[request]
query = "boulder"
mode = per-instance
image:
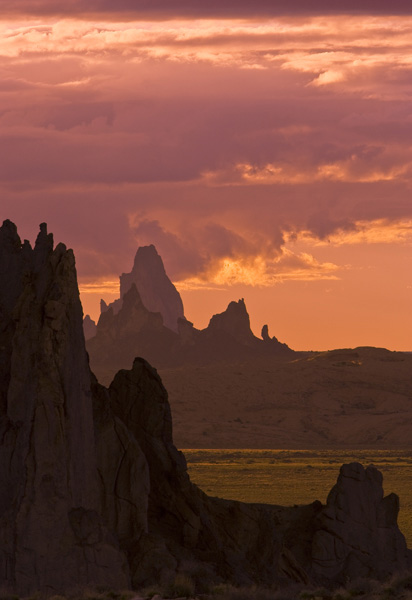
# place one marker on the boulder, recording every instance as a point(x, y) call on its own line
point(357, 533)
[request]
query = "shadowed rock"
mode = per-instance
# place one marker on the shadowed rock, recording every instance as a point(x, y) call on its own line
point(89, 327)
point(134, 330)
point(234, 322)
point(51, 533)
point(358, 534)
point(154, 287)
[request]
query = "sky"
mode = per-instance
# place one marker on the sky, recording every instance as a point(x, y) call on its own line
point(264, 148)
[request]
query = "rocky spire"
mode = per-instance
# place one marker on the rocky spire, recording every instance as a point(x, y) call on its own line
point(50, 530)
point(234, 321)
point(157, 292)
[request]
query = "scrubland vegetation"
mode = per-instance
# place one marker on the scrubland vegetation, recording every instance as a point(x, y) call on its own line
point(183, 586)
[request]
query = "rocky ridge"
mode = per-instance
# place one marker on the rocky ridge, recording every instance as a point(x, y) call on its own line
point(93, 490)
point(132, 330)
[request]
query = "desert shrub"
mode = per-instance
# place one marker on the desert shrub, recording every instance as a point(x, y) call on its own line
point(125, 595)
point(201, 574)
point(151, 591)
point(230, 592)
point(406, 582)
point(362, 587)
point(221, 590)
point(290, 592)
point(251, 593)
point(341, 594)
point(182, 586)
point(318, 594)
point(402, 582)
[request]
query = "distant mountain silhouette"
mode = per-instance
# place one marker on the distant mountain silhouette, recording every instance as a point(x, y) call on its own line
point(148, 320)
point(156, 291)
point(89, 327)
point(135, 331)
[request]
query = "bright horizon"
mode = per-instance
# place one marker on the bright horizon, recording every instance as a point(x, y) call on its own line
point(265, 151)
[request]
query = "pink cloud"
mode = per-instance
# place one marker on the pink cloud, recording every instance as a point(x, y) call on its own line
point(239, 148)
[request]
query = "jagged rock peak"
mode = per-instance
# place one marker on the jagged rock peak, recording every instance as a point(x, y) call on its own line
point(9, 238)
point(148, 256)
point(89, 327)
point(51, 534)
point(234, 321)
point(155, 288)
point(265, 333)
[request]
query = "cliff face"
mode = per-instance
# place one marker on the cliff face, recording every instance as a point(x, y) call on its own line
point(93, 491)
point(51, 533)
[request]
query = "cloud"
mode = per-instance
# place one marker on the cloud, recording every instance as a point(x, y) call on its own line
point(197, 9)
point(221, 142)
point(213, 254)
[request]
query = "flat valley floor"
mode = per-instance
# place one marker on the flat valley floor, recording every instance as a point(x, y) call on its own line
point(288, 477)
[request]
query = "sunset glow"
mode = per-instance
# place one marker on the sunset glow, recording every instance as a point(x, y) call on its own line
point(265, 152)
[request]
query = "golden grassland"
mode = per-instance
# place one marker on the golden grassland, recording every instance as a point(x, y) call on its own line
point(289, 477)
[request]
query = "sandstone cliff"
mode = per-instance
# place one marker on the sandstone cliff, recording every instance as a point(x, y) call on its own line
point(93, 491)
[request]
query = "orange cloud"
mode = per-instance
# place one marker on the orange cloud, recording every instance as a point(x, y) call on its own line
point(380, 231)
point(261, 271)
point(99, 286)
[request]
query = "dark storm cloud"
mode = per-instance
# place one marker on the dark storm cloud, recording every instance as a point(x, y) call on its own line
point(165, 9)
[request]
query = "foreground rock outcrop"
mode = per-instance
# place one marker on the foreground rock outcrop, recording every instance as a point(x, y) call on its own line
point(52, 535)
point(93, 491)
point(357, 535)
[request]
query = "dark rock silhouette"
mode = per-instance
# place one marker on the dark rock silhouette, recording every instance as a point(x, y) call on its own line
point(134, 330)
point(89, 327)
point(92, 489)
point(358, 536)
point(234, 322)
point(265, 333)
point(147, 320)
point(51, 532)
point(155, 289)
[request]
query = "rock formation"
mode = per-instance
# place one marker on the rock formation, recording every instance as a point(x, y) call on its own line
point(147, 320)
point(51, 532)
point(155, 289)
point(134, 330)
point(234, 322)
point(92, 489)
point(357, 535)
point(89, 327)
